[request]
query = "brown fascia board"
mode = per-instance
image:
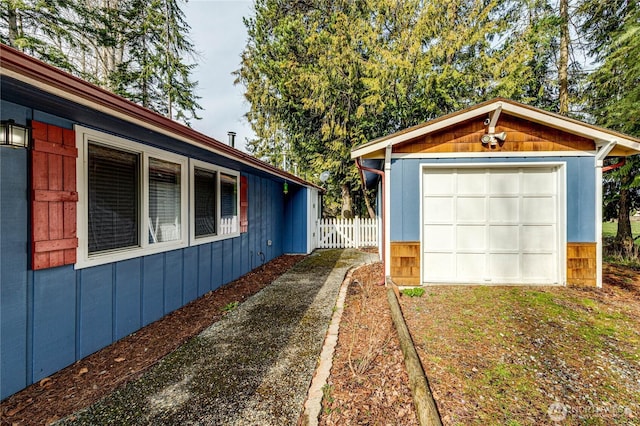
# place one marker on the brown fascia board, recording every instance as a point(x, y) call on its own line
point(49, 77)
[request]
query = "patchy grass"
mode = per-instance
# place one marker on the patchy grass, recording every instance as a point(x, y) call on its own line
point(504, 355)
point(610, 229)
point(413, 292)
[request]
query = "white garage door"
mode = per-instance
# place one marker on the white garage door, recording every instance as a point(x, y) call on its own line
point(490, 225)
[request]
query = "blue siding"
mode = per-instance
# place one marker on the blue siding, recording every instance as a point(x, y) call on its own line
point(216, 265)
point(204, 269)
point(96, 308)
point(54, 320)
point(18, 113)
point(152, 288)
point(580, 193)
point(172, 280)
point(52, 119)
point(581, 200)
point(13, 268)
point(295, 239)
point(227, 265)
point(128, 289)
point(50, 318)
point(190, 274)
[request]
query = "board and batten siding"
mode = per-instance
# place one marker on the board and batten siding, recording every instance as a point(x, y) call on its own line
point(580, 194)
point(49, 318)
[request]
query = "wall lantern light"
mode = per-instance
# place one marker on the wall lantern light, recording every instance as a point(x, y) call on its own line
point(285, 188)
point(15, 135)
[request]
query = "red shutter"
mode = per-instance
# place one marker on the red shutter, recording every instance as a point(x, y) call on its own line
point(53, 197)
point(244, 204)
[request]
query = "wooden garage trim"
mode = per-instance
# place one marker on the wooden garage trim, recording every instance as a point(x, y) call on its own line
point(581, 264)
point(627, 145)
point(521, 136)
point(405, 262)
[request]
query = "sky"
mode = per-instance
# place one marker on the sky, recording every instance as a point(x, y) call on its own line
point(219, 36)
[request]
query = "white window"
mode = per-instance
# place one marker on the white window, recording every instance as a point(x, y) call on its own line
point(214, 203)
point(132, 199)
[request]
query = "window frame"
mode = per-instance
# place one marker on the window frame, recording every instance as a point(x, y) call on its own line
point(85, 136)
point(193, 164)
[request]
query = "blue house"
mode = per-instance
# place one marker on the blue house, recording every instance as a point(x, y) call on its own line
point(112, 216)
point(498, 193)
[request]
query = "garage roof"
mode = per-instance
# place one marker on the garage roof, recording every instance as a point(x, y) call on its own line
point(624, 144)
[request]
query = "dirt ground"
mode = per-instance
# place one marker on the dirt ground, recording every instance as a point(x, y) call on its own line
point(532, 355)
point(368, 382)
point(89, 379)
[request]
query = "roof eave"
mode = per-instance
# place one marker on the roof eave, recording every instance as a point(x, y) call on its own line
point(570, 125)
point(52, 80)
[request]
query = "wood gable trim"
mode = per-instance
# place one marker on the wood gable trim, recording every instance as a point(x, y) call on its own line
point(521, 135)
point(625, 144)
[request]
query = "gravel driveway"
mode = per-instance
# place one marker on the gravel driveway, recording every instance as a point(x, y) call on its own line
point(253, 367)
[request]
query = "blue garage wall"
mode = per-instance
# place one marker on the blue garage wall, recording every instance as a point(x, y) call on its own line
point(50, 318)
point(581, 194)
point(295, 226)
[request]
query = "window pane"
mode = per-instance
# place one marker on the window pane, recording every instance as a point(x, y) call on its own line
point(164, 201)
point(113, 199)
point(228, 204)
point(204, 187)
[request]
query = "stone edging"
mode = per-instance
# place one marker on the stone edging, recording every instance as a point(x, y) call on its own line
point(313, 404)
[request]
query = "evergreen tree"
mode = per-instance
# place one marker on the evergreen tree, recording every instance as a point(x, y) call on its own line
point(135, 48)
point(613, 99)
point(328, 75)
point(39, 29)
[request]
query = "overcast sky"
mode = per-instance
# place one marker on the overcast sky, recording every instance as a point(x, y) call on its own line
point(219, 36)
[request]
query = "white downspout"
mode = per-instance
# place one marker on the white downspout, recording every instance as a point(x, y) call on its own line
point(603, 151)
point(387, 213)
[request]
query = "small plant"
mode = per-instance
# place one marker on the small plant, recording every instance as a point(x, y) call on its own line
point(327, 398)
point(413, 292)
point(230, 306)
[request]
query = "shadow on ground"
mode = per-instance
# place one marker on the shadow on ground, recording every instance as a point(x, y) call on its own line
point(252, 367)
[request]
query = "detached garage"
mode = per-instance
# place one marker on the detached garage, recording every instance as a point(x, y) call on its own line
point(499, 193)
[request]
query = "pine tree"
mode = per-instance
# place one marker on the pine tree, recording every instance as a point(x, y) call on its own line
point(39, 29)
point(613, 99)
point(328, 75)
point(135, 48)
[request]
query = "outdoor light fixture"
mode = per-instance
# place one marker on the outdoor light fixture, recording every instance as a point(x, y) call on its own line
point(12, 134)
point(285, 188)
point(493, 138)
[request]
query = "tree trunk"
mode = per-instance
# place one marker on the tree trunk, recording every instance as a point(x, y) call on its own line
point(12, 17)
point(367, 203)
point(347, 209)
point(624, 238)
point(563, 65)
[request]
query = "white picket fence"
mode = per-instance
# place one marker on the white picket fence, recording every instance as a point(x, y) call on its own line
point(228, 225)
point(347, 233)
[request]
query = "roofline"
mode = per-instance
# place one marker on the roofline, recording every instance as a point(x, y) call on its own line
point(598, 134)
point(26, 69)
